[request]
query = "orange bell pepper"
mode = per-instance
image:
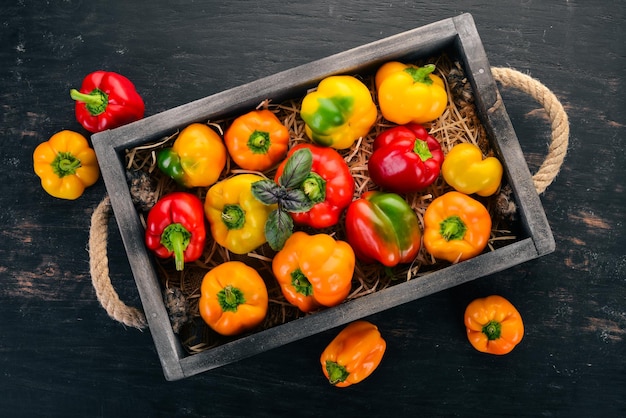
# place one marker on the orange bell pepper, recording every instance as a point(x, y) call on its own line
point(257, 140)
point(493, 325)
point(456, 227)
point(233, 298)
point(408, 93)
point(353, 355)
point(66, 165)
point(314, 271)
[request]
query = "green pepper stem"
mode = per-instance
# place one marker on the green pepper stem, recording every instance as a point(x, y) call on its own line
point(314, 187)
point(452, 228)
point(96, 102)
point(421, 149)
point(230, 298)
point(421, 74)
point(65, 164)
point(336, 372)
point(176, 239)
point(492, 330)
point(233, 216)
point(301, 283)
point(259, 142)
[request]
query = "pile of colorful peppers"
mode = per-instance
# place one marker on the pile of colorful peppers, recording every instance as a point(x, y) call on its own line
point(312, 189)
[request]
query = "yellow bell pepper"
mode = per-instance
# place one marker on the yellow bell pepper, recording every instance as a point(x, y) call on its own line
point(465, 169)
point(236, 217)
point(197, 157)
point(408, 93)
point(339, 112)
point(66, 165)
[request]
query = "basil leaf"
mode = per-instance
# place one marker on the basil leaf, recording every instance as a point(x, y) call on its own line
point(297, 168)
point(266, 191)
point(278, 229)
point(294, 200)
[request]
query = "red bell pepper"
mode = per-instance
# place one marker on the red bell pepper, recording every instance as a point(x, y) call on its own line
point(405, 159)
point(175, 226)
point(329, 186)
point(107, 100)
point(383, 227)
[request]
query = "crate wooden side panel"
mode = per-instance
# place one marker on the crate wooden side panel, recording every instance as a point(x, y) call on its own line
point(457, 36)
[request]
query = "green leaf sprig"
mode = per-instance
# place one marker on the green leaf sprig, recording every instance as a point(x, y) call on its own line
point(287, 195)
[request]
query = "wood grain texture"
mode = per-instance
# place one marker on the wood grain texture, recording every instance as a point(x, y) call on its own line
point(61, 355)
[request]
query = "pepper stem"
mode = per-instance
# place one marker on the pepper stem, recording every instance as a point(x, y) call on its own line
point(301, 283)
point(233, 216)
point(492, 330)
point(314, 187)
point(421, 149)
point(452, 228)
point(230, 298)
point(421, 74)
point(96, 102)
point(259, 142)
point(176, 239)
point(336, 372)
point(65, 164)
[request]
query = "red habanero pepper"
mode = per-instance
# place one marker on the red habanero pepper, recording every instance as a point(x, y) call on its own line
point(329, 186)
point(107, 100)
point(405, 159)
point(175, 226)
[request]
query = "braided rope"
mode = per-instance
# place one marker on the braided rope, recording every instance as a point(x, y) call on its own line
point(98, 235)
point(558, 118)
point(99, 268)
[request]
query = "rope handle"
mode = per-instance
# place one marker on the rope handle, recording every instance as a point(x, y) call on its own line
point(558, 119)
point(133, 317)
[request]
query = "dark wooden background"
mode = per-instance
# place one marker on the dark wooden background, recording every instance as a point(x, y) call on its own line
point(61, 355)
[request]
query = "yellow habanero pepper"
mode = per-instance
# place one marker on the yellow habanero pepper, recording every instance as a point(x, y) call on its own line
point(465, 169)
point(408, 93)
point(236, 217)
point(353, 355)
point(339, 112)
point(66, 165)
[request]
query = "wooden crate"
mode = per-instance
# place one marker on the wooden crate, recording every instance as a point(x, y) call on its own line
point(456, 37)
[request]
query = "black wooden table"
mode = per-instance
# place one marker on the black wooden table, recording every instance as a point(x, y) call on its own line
point(61, 355)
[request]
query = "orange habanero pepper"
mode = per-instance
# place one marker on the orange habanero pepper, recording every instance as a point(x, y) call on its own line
point(493, 325)
point(233, 298)
point(456, 227)
point(353, 355)
point(314, 271)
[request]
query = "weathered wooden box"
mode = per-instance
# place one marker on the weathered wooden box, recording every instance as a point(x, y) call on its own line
point(456, 37)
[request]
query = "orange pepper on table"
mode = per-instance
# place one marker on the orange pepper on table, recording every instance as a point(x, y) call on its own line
point(66, 165)
point(314, 270)
point(493, 325)
point(353, 354)
point(257, 140)
point(456, 227)
point(233, 298)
